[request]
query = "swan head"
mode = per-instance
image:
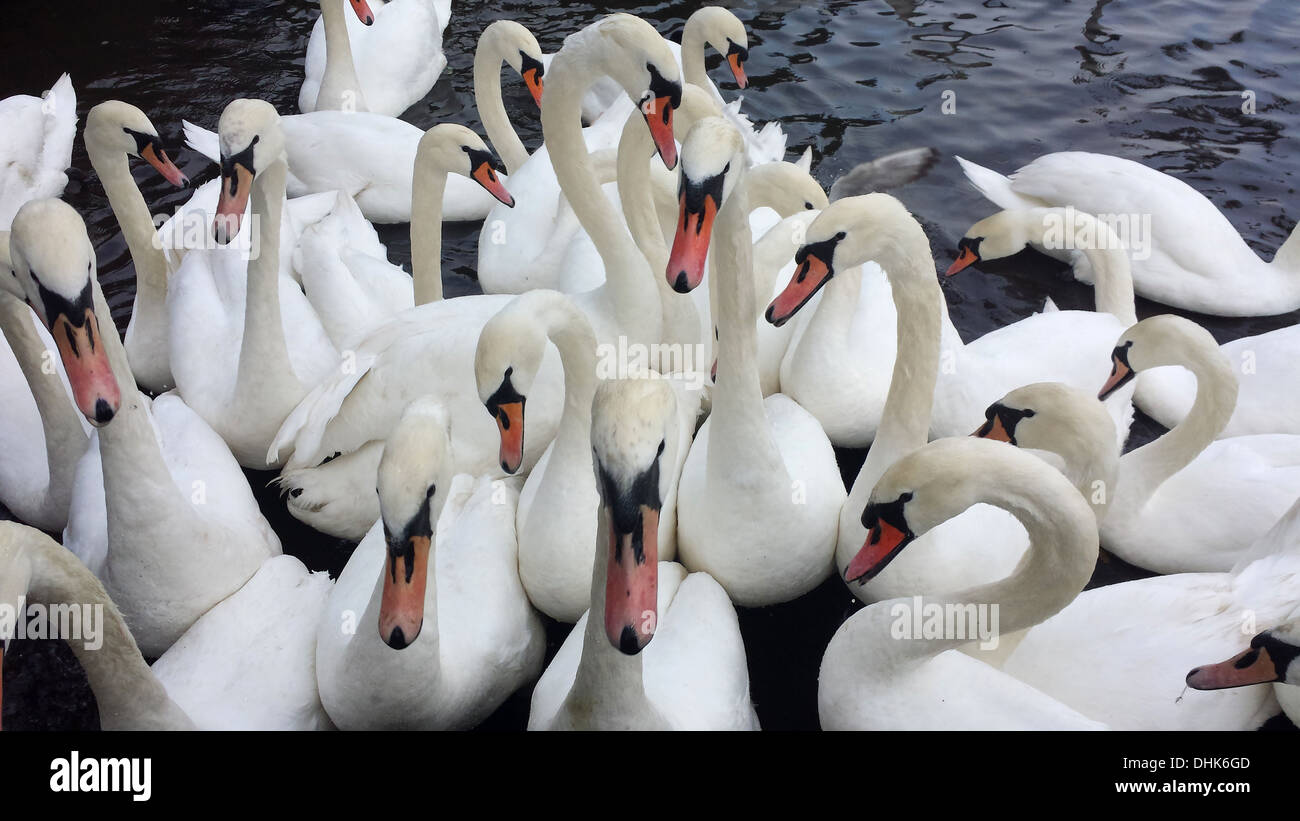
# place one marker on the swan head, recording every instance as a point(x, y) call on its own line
point(55, 266)
point(453, 148)
point(414, 477)
point(251, 141)
point(519, 49)
point(506, 361)
point(1048, 416)
point(847, 233)
point(15, 577)
point(713, 158)
point(1007, 233)
point(631, 422)
point(122, 128)
point(786, 187)
point(723, 30)
point(936, 482)
point(1273, 656)
point(1158, 341)
point(362, 10)
point(631, 52)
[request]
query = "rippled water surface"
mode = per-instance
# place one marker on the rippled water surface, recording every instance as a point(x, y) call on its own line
point(1160, 81)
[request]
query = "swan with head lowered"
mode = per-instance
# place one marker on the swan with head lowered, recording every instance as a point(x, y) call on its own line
point(385, 57)
point(428, 626)
point(1146, 632)
point(877, 674)
point(434, 344)
point(1273, 656)
point(1159, 517)
point(659, 648)
point(43, 435)
point(1196, 261)
point(246, 345)
point(245, 665)
point(170, 524)
point(760, 490)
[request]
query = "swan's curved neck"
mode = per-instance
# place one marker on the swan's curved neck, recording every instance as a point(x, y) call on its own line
point(738, 430)
point(128, 205)
point(633, 298)
point(127, 693)
point(65, 438)
point(264, 366)
point(1113, 283)
point(1061, 556)
point(488, 58)
point(694, 42)
point(571, 332)
point(1142, 471)
point(427, 190)
point(339, 88)
point(905, 419)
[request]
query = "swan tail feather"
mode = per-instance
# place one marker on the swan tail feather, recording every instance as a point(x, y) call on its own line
point(995, 187)
point(199, 139)
point(60, 106)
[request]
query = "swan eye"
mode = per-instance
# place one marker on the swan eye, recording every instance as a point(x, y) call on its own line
point(808, 206)
point(906, 497)
point(429, 493)
point(660, 452)
point(841, 235)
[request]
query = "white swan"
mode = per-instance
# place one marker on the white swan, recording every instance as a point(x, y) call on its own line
point(1159, 517)
point(246, 345)
point(428, 626)
point(1271, 657)
point(353, 292)
point(659, 649)
point(760, 490)
point(43, 435)
point(245, 665)
point(35, 146)
point(878, 674)
point(557, 507)
point(1216, 274)
point(1146, 632)
point(384, 58)
point(433, 344)
point(369, 156)
point(115, 132)
point(1052, 346)
point(183, 529)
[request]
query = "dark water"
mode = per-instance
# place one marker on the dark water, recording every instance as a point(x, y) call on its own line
point(1158, 81)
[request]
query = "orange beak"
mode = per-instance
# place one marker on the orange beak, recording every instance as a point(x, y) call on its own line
point(691, 245)
point(993, 429)
point(811, 275)
point(658, 113)
point(485, 176)
point(401, 605)
point(632, 584)
point(883, 542)
point(510, 424)
point(364, 14)
point(964, 260)
point(737, 69)
point(533, 79)
point(94, 387)
point(1253, 666)
point(1120, 373)
point(235, 190)
point(158, 158)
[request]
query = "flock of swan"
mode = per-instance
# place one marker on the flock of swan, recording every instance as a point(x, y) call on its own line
point(495, 468)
